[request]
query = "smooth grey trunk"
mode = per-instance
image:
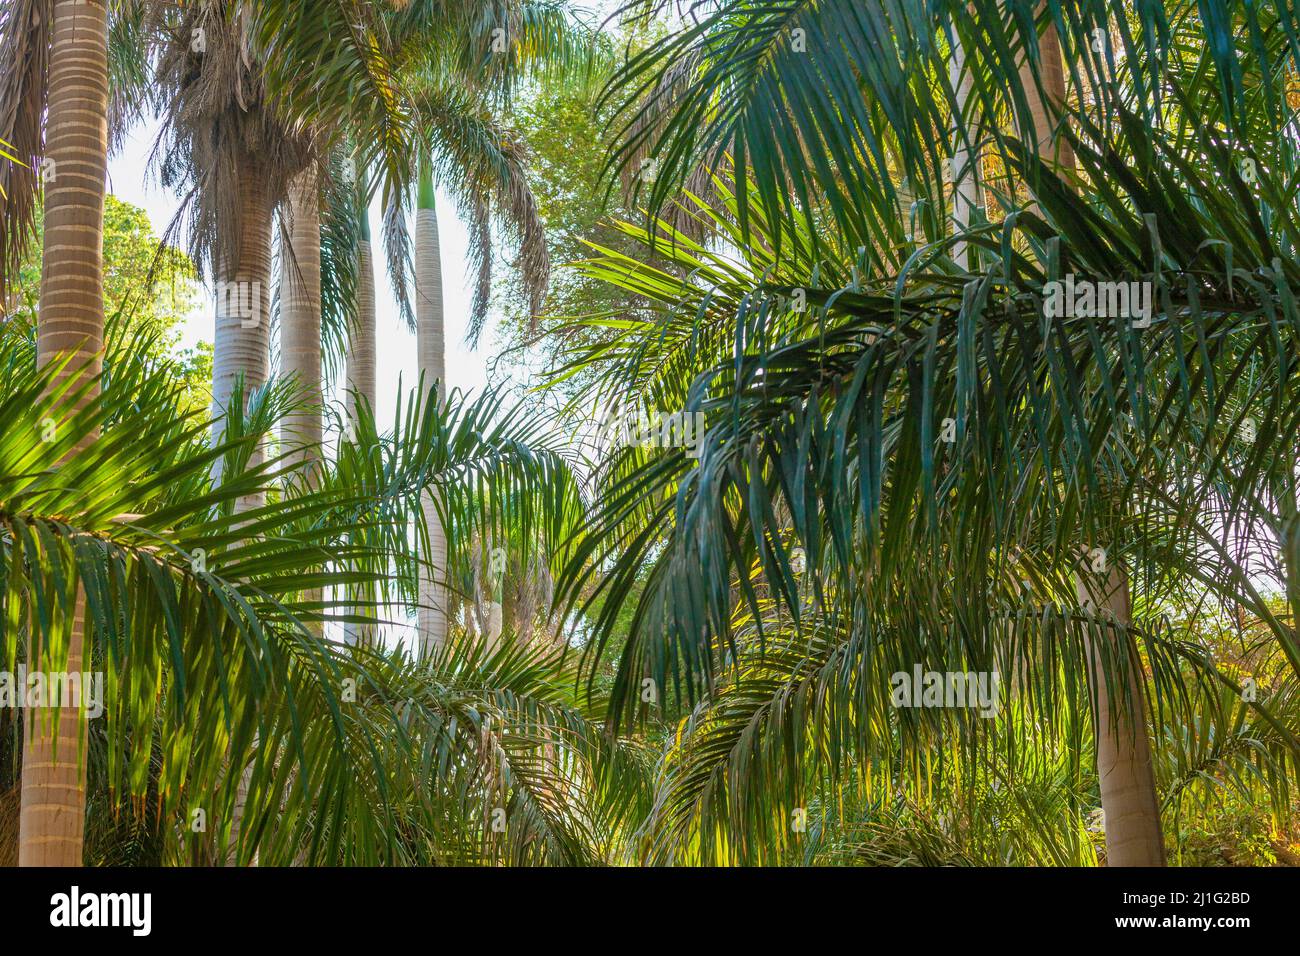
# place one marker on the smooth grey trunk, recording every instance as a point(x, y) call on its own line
point(432, 363)
point(965, 176)
point(361, 343)
point(300, 305)
point(302, 430)
point(241, 343)
point(360, 386)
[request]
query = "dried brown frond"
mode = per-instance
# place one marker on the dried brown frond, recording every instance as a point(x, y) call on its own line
point(639, 171)
point(218, 117)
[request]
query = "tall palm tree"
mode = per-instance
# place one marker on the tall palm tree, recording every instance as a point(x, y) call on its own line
point(466, 149)
point(236, 159)
point(361, 342)
point(1125, 775)
point(431, 349)
point(74, 37)
point(233, 157)
point(453, 74)
point(359, 382)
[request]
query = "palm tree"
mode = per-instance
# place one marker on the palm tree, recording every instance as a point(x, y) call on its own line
point(923, 432)
point(361, 342)
point(70, 337)
point(470, 152)
point(1124, 770)
point(452, 74)
point(431, 348)
point(234, 157)
point(483, 165)
point(359, 382)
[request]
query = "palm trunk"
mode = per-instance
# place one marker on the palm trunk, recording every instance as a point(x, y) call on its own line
point(300, 319)
point(361, 376)
point(1125, 776)
point(1124, 771)
point(965, 178)
point(431, 350)
point(1045, 110)
point(241, 345)
point(361, 344)
point(52, 814)
point(302, 431)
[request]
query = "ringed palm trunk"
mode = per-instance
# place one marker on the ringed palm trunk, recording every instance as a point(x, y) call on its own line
point(51, 821)
point(1045, 108)
point(1125, 775)
point(430, 332)
point(361, 373)
point(241, 344)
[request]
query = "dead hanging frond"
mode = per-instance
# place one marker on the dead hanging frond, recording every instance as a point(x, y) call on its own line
point(488, 50)
point(637, 165)
point(480, 261)
point(533, 592)
point(219, 127)
point(398, 257)
point(24, 78)
point(130, 78)
point(516, 206)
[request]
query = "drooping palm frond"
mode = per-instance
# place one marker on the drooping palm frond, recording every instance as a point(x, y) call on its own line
point(506, 44)
point(945, 460)
point(129, 75)
point(333, 63)
point(977, 350)
point(342, 210)
point(495, 762)
point(175, 604)
point(459, 68)
point(223, 685)
point(848, 111)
